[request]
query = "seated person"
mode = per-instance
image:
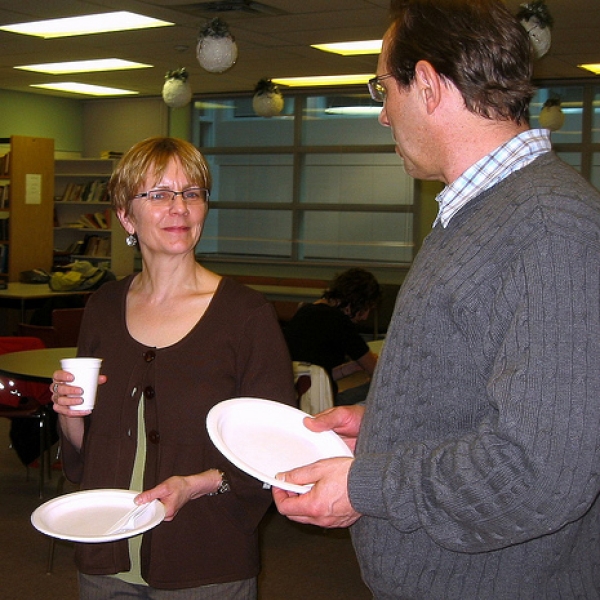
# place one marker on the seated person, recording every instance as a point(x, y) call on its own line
point(324, 333)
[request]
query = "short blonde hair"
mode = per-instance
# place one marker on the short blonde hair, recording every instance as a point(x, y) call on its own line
point(153, 155)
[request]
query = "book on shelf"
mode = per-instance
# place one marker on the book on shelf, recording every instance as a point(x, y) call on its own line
point(110, 154)
point(72, 191)
point(103, 247)
point(75, 247)
point(88, 221)
point(101, 192)
point(101, 220)
point(5, 165)
point(95, 245)
point(89, 244)
point(4, 195)
point(4, 227)
point(96, 220)
point(3, 258)
point(73, 224)
point(92, 191)
point(95, 191)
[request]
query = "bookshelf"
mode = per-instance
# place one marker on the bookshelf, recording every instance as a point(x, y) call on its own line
point(26, 180)
point(84, 226)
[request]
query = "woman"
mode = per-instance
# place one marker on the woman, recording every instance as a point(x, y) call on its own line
point(175, 339)
point(324, 333)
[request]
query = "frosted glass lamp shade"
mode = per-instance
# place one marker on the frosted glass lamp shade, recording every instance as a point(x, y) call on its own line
point(268, 104)
point(216, 54)
point(176, 93)
point(552, 117)
point(539, 37)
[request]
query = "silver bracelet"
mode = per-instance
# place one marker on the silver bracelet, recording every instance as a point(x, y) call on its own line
point(224, 486)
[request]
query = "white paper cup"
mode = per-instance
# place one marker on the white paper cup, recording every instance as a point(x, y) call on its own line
point(86, 372)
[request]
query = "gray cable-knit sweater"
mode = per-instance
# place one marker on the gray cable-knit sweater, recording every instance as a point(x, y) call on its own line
point(478, 461)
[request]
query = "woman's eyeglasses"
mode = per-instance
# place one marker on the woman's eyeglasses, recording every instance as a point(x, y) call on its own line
point(194, 195)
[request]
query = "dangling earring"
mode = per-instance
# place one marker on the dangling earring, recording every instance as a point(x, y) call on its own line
point(131, 240)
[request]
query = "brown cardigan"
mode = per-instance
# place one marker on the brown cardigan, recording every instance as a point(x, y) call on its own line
point(236, 349)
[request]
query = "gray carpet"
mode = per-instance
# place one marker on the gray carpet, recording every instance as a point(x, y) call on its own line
point(299, 562)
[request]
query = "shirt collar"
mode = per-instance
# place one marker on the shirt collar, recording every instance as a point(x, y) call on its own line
point(514, 154)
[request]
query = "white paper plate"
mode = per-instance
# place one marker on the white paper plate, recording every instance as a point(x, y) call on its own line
point(263, 438)
point(87, 516)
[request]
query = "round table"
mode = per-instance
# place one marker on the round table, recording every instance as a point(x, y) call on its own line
point(34, 365)
point(37, 365)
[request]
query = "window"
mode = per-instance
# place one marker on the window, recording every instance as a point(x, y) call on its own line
point(577, 142)
point(320, 183)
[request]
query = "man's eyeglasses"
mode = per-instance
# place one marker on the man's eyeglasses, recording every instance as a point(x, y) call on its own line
point(194, 195)
point(377, 91)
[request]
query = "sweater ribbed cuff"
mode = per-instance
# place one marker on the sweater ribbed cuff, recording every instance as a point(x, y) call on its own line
point(365, 484)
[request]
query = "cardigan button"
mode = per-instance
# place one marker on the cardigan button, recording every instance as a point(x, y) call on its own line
point(154, 437)
point(149, 392)
point(149, 356)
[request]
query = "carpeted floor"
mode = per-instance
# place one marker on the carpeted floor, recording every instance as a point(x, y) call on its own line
point(299, 562)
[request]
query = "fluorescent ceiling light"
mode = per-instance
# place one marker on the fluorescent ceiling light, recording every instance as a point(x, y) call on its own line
point(324, 80)
point(84, 88)
point(85, 25)
point(357, 111)
point(593, 67)
point(351, 48)
point(204, 105)
point(84, 66)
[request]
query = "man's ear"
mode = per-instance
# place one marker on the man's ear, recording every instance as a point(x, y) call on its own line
point(429, 84)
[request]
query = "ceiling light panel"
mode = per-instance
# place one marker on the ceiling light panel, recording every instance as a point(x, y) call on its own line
point(86, 25)
point(84, 66)
point(593, 67)
point(351, 48)
point(73, 87)
point(323, 80)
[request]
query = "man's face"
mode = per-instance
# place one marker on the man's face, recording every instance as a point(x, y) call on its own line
point(404, 113)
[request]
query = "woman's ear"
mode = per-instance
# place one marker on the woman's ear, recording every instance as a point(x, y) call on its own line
point(125, 220)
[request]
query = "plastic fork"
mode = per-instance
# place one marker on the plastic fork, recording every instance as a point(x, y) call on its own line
point(127, 522)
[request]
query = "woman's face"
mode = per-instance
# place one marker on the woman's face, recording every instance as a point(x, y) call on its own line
point(173, 228)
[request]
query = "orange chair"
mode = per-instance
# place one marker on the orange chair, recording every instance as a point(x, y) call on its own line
point(27, 400)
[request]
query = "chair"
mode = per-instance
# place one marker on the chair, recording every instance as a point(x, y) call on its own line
point(46, 333)
point(64, 331)
point(316, 394)
point(27, 400)
point(66, 323)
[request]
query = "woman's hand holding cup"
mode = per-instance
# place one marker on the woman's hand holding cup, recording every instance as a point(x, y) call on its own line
point(74, 386)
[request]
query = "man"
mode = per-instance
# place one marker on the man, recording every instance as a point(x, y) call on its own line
point(477, 466)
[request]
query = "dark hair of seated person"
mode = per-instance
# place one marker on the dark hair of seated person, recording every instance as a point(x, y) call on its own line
point(355, 289)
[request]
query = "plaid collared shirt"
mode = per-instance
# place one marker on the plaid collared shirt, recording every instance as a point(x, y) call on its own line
point(511, 156)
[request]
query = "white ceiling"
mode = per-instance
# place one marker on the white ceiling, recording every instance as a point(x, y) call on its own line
point(270, 45)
